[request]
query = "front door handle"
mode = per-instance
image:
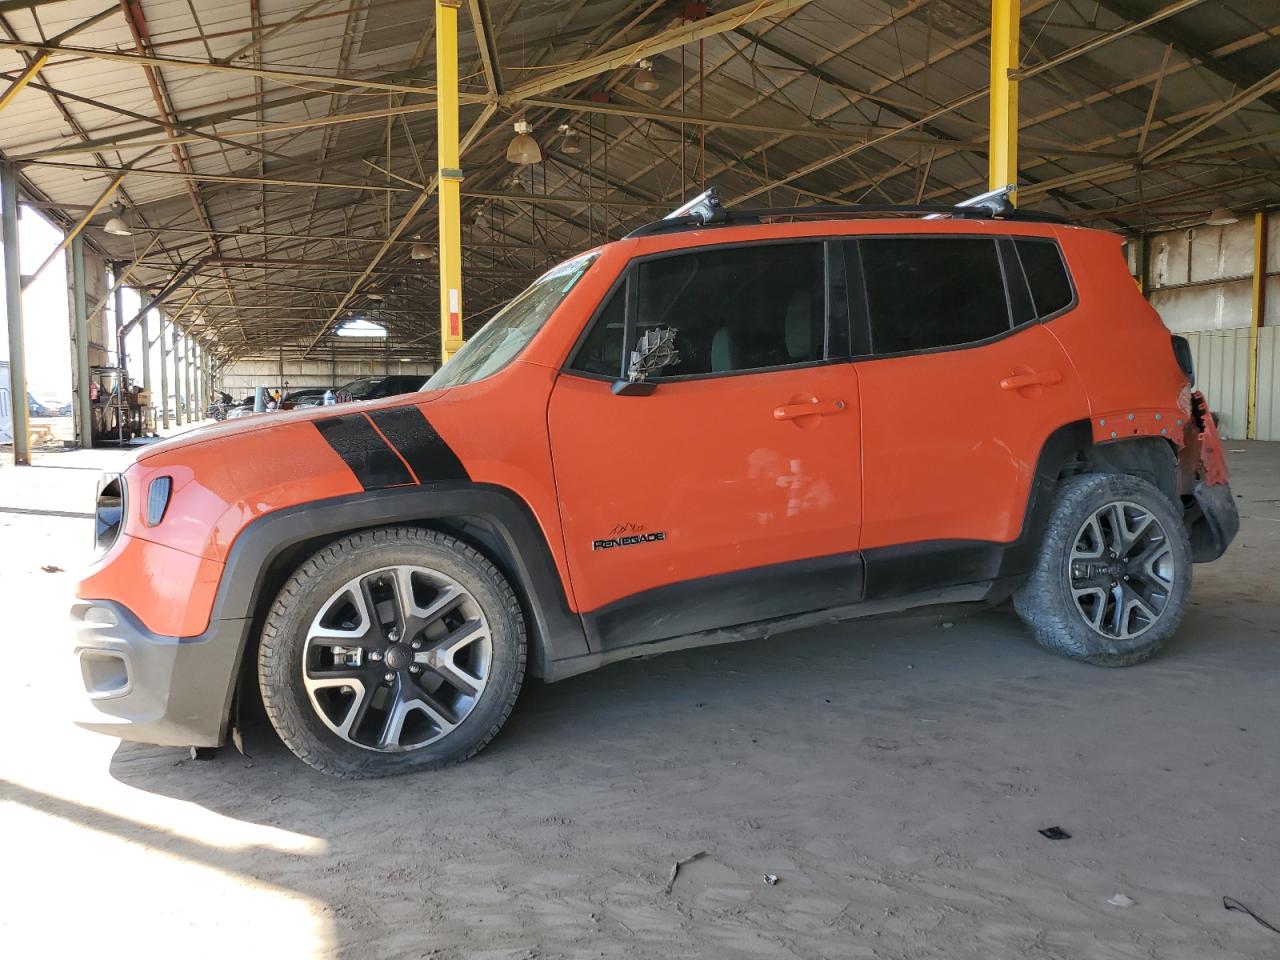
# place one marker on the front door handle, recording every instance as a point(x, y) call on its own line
point(815, 407)
point(1021, 381)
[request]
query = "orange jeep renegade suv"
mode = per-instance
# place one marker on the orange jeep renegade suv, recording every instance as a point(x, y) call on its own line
point(722, 426)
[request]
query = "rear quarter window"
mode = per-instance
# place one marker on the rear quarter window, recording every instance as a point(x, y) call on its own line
point(1046, 275)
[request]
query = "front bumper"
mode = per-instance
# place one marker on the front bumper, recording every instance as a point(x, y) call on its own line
point(172, 691)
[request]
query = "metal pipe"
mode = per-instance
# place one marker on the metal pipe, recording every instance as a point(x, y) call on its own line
point(164, 376)
point(81, 403)
point(449, 177)
point(1257, 304)
point(182, 277)
point(13, 305)
point(1002, 158)
point(122, 364)
point(27, 75)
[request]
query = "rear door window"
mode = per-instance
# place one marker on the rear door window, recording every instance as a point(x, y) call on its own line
point(925, 293)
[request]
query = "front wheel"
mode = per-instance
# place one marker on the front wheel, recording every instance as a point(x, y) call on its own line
point(389, 651)
point(1113, 574)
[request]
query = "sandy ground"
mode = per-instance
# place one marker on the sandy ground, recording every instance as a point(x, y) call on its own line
point(893, 775)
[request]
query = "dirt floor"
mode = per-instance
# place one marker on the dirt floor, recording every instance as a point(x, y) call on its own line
point(892, 774)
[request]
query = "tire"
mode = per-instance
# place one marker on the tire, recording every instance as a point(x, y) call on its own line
point(361, 682)
point(1080, 599)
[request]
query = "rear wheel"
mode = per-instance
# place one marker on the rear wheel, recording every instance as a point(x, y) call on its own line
point(1114, 570)
point(391, 650)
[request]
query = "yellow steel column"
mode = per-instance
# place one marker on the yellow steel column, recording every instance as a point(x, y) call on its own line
point(1003, 156)
point(1255, 320)
point(450, 185)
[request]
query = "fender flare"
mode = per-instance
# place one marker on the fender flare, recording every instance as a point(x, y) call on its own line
point(253, 568)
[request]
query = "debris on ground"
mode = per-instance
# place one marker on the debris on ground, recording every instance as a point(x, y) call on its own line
point(50, 568)
point(1055, 833)
point(770, 879)
point(1120, 900)
point(675, 868)
point(1231, 903)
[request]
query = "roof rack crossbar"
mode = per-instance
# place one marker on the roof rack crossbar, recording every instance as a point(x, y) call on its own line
point(706, 210)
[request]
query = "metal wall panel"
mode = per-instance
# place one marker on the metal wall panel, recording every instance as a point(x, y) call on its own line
point(1222, 365)
point(240, 378)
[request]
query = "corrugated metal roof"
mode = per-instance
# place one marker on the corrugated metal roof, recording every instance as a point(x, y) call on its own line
point(839, 100)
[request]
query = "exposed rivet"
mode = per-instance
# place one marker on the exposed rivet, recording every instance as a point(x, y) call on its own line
point(417, 644)
point(375, 655)
point(414, 668)
point(389, 677)
point(1102, 423)
point(1131, 416)
point(1179, 423)
point(1159, 417)
point(1164, 430)
point(1113, 434)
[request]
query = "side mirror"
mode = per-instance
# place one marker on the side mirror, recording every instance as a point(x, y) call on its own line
point(656, 349)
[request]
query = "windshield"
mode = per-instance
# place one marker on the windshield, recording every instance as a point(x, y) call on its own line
point(502, 338)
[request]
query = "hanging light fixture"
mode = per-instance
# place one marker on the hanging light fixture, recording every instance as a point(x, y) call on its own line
point(572, 143)
point(646, 80)
point(419, 250)
point(523, 149)
point(1221, 217)
point(116, 224)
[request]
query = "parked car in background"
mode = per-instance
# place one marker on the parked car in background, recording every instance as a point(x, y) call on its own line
point(375, 388)
point(306, 397)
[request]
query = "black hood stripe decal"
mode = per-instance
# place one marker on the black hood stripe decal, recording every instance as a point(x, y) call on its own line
point(360, 446)
point(411, 433)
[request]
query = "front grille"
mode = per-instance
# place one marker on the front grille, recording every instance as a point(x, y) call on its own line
point(108, 512)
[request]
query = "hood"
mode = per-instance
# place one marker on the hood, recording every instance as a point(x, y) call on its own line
point(274, 419)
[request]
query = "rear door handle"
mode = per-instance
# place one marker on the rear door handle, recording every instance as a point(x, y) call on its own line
point(1023, 380)
point(815, 407)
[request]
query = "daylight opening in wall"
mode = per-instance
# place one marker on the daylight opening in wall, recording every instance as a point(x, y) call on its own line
point(361, 328)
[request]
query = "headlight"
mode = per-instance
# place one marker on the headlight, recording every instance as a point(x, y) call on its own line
point(108, 513)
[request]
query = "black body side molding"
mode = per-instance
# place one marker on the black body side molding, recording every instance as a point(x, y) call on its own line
point(726, 600)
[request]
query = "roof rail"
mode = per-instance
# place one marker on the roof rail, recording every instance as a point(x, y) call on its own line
point(706, 210)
